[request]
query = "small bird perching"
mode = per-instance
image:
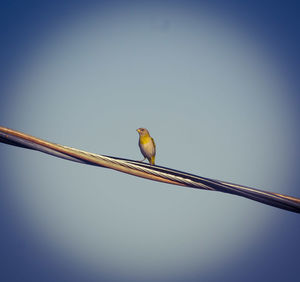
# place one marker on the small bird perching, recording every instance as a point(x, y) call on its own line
point(152, 172)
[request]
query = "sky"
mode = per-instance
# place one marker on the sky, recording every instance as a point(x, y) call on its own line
point(217, 87)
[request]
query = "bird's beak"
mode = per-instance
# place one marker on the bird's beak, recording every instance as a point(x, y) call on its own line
point(138, 130)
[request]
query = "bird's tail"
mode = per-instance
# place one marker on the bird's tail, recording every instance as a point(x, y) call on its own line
point(152, 160)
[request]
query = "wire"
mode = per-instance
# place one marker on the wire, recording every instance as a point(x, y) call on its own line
point(140, 169)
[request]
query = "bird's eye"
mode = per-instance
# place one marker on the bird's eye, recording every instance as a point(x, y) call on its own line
point(142, 129)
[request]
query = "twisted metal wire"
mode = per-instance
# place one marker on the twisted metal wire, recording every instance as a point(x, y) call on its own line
point(156, 173)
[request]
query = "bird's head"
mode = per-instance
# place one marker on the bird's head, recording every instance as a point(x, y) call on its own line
point(142, 131)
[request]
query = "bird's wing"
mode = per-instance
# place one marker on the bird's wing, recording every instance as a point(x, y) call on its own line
point(153, 144)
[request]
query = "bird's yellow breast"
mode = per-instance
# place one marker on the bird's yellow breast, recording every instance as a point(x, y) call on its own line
point(145, 139)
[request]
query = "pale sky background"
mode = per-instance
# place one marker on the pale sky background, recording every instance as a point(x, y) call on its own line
point(216, 94)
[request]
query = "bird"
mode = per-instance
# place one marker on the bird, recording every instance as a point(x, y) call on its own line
point(147, 145)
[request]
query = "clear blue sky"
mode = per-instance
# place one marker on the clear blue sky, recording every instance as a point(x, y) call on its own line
point(216, 85)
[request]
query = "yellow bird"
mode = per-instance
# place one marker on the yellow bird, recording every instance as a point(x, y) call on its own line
point(147, 145)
